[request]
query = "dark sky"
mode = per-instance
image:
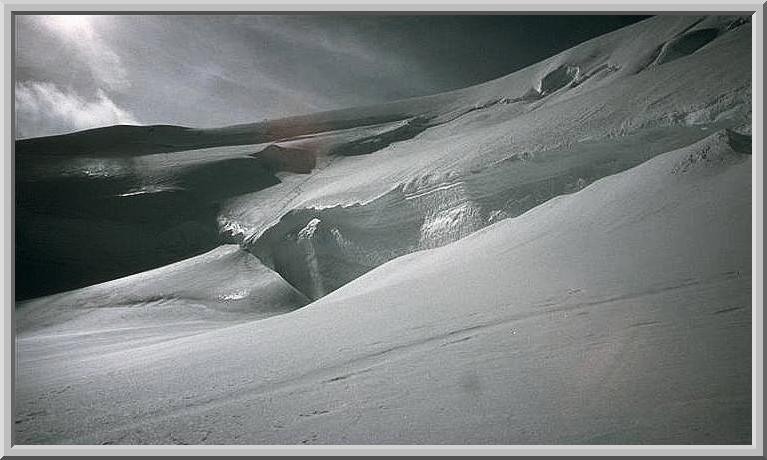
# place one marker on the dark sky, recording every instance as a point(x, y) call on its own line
point(78, 72)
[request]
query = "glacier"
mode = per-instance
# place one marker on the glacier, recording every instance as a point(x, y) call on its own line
point(558, 256)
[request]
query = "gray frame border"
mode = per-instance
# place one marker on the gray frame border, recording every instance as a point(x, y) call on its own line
point(10, 8)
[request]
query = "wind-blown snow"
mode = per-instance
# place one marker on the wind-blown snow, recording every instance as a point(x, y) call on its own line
point(561, 255)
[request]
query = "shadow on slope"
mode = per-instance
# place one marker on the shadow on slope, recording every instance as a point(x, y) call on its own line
point(686, 44)
point(278, 158)
point(371, 144)
point(126, 140)
point(73, 231)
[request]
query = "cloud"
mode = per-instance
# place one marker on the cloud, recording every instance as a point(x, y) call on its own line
point(206, 71)
point(350, 43)
point(81, 34)
point(302, 31)
point(44, 109)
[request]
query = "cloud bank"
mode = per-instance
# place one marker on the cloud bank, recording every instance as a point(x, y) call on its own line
point(45, 109)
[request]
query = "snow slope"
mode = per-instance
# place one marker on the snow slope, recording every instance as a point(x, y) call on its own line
point(618, 314)
point(561, 255)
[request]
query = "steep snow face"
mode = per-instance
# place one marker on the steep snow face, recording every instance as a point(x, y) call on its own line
point(616, 314)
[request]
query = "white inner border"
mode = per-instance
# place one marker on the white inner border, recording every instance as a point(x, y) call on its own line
point(551, 6)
